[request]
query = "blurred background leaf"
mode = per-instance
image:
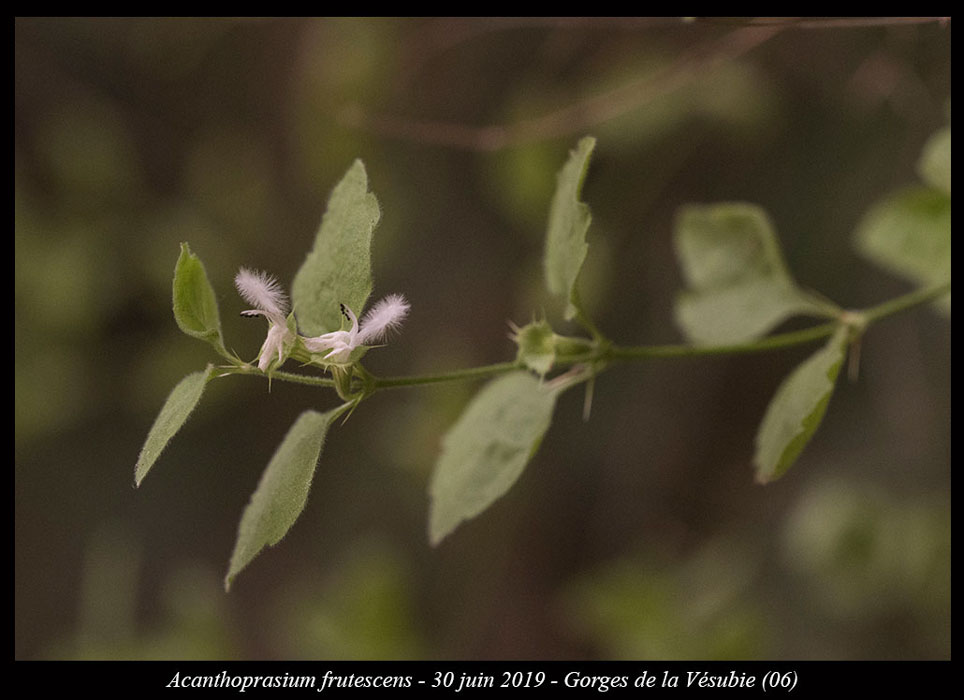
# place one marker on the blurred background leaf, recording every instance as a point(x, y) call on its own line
point(132, 135)
point(693, 607)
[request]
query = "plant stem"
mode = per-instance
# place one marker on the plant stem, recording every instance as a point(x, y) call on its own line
point(773, 342)
point(307, 379)
point(622, 353)
point(907, 301)
point(606, 352)
point(455, 375)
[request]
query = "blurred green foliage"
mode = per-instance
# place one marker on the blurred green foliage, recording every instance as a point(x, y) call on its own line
point(697, 607)
point(132, 135)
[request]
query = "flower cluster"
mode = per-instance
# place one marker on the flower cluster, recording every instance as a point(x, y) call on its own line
point(264, 293)
point(384, 317)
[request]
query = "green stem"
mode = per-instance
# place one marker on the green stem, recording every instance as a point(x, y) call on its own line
point(455, 375)
point(307, 379)
point(773, 342)
point(908, 301)
point(605, 352)
point(622, 353)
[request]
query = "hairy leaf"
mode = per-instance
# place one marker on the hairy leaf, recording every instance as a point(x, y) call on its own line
point(195, 305)
point(739, 286)
point(909, 234)
point(795, 411)
point(484, 453)
point(568, 222)
point(283, 490)
point(178, 407)
point(338, 269)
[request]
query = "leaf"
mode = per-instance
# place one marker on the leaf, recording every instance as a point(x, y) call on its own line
point(568, 222)
point(195, 305)
point(283, 490)
point(909, 234)
point(179, 405)
point(484, 453)
point(795, 411)
point(934, 165)
point(739, 286)
point(338, 269)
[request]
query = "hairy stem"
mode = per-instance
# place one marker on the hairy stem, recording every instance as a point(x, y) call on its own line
point(307, 379)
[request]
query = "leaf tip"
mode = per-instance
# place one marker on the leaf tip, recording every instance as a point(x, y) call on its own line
point(437, 533)
point(586, 143)
point(357, 170)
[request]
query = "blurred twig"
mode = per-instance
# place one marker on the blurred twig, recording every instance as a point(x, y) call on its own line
point(439, 35)
point(821, 22)
point(573, 118)
point(591, 111)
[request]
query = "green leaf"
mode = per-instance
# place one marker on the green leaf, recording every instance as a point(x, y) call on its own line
point(195, 305)
point(484, 453)
point(934, 165)
point(795, 411)
point(739, 286)
point(173, 415)
point(283, 490)
point(568, 222)
point(537, 346)
point(338, 269)
point(909, 234)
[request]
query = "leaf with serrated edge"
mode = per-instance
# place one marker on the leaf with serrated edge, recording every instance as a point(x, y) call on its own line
point(738, 284)
point(178, 407)
point(283, 490)
point(195, 304)
point(568, 222)
point(338, 269)
point(795, 411)
point(486, 450)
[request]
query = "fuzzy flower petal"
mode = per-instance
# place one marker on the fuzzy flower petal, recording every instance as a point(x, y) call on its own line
point(262, 291)
point(386, 316)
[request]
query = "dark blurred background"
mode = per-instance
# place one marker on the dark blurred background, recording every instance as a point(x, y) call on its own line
point(638, 534)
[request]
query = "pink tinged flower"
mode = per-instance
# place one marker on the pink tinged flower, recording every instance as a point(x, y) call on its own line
point(383, 318)
point(262, 291)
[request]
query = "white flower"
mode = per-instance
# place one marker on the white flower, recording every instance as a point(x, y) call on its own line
point(384, 317)
point(262, 291)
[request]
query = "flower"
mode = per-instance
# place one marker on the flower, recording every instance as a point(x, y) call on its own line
point(262, 291)
point(387, 315)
